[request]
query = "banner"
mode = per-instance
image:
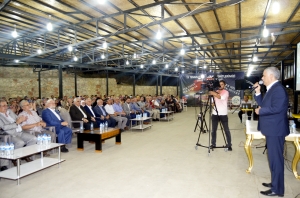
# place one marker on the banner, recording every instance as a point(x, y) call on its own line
point(192, 86)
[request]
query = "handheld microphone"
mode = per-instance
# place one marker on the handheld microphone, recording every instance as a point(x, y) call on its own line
point(253, 88)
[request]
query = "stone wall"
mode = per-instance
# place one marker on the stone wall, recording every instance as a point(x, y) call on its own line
point(24, 82)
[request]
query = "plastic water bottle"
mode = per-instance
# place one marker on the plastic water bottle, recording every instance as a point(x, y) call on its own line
point(101, 128)
point(106, 126)
point(293, 128)
point(12, 148)
point(92, 126)
point(2, 148)
point(45, 139)
point(48, 139)
point(7, 152)
point(81, 128)
point(39, 139)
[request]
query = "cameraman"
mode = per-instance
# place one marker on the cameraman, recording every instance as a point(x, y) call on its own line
point(220, 112)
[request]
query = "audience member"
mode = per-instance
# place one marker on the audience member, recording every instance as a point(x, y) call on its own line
point(52, 118)
point(121, 120)
point(102, 115)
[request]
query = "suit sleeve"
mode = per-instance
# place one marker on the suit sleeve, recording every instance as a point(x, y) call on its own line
point(258, 99)
point(278, 103)
point(47, 118)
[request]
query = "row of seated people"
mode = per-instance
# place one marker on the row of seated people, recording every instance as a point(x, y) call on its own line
point(24, 127)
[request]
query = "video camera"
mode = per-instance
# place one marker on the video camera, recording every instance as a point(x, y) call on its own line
point(211, 83)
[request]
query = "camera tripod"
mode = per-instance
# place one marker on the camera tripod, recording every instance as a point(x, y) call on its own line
point(201, 118)
point(210, 102)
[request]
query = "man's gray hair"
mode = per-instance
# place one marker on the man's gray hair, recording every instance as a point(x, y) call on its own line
point(75, 99)
point(22, 103)
point(274, 71)
point(2, 100)
point(48, 101)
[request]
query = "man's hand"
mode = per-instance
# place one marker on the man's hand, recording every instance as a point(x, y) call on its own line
point(257, 110)
point(64, 123)
point(102, 117)
point(85, 120)
point(257, 89)
point(21, 119)
point(93, 119)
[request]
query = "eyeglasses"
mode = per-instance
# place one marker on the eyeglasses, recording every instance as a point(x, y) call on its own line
point(3, 105)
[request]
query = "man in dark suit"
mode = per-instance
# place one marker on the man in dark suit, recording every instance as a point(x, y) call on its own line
point(89, 109)
point(52, 118)
point(273, 123)
point(100, 112)
point(78, 113)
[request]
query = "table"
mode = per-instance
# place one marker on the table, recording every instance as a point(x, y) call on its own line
point(97, 137)
point(296, 115)
point(140, 123)
point(168, 115)
point(253, 133)
point(28, 168)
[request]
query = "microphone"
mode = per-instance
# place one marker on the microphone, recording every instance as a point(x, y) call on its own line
point(253, 88)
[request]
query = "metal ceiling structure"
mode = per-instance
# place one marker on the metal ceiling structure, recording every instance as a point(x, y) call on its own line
point(221, 35)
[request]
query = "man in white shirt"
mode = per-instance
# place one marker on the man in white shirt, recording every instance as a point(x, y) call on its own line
point(242, 106)
point(110, 110)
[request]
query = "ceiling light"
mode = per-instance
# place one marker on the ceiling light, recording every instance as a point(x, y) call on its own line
point(276, 7)
point(16, 60)
point(134, 55)
point(70, 48)
point(254, 59)
point(75, 58)
point(182, 71)
point(39, 51)
point(102, 56)
point(142, 66)
point(196, 61)
point(154, 62)
point(204, 66)
point(158, 35)
point(14, 33)
point(127, 62)
point(182, 51)
point(167, 65)
point(202, 76)
point(265, 32)
point(49, 24)
point(104, 45)
point(176, 69)
point(101, 1)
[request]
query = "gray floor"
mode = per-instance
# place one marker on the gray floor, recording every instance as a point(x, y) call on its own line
point(158, 163)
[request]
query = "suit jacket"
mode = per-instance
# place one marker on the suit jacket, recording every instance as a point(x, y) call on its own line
point(273, 119)
point(76, 114)
point(51, 120)
point(6, 126)
point(98, 111)
point(126, 109)
point(87, 109)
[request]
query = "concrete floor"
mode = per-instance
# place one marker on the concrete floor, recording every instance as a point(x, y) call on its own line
point(160, 162)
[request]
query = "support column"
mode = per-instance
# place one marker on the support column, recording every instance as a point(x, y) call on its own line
point(177, 91)
point(160, 84)
point(106, 83)
point(282, 71)
point(75, 83)
point(156, 85)
point(295, 83)
point(39, 84)
point(60, 82)
point(133, 91)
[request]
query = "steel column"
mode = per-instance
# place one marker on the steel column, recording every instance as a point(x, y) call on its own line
point(60, 82)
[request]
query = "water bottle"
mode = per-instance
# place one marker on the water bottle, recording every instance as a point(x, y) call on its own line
point(293, 128)
point(39, 139)
point(101, 128)
point(92, 126)
point(7, 152)
point(291, 123)
point(2, 148)
point(12, 148)
point(81, 128)
point(106, 126)
point(45, 139)
point(48, 139)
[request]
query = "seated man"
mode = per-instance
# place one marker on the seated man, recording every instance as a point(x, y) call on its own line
point(52, 118)
point(10, 124)
point(102, 115)
point(127, 108)
point(78, 113)
point(121, 120)
point(34, 124)
point(241, 112)
point(149, 105)
point(137, 108)
point(120, 111)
